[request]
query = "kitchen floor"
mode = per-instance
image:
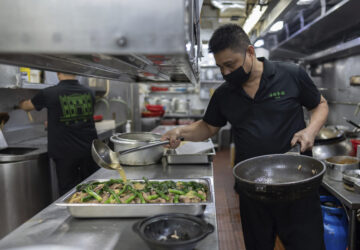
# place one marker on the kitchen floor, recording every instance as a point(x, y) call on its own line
point(227, 205)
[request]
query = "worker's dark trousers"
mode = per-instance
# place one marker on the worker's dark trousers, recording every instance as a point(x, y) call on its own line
point(71, 172)
point(298, 223)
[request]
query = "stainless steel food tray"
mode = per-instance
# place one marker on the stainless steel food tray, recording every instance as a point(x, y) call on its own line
point(201, 158)
point(87, 210)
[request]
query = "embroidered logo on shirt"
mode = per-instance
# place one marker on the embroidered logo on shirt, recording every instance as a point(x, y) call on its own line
point(75, 108)
point(277, 94)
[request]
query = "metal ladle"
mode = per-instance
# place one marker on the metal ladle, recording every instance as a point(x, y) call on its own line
point(106, 158)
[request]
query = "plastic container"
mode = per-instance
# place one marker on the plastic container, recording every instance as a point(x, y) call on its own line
point(128, 126)
point(355, 143)
point(335, 223)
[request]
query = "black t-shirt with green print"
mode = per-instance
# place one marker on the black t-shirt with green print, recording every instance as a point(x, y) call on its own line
point(70, 109)
point(267, 123)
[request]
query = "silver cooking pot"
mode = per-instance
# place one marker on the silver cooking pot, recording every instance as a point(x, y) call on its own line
point(338, 164)
point(279, 177)
point(331, 142)
point(348, 132)
point(131, 140)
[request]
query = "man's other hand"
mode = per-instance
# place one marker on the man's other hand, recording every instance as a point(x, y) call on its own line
point(305, 137)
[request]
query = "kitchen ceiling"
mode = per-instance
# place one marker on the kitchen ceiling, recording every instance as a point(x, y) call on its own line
point(215, 13)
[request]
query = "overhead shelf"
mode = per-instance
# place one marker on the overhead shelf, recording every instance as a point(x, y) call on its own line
point(336, 23)
point(128, 40)
point(212, 81)
point(338, 51)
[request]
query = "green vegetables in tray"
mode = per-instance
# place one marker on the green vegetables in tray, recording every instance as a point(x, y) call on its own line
point(115, 191)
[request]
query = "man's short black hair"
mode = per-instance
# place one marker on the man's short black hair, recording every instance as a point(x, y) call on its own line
point(230, 36)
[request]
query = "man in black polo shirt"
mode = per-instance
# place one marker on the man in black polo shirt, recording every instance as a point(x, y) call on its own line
point(263, 101)
point(71, 128)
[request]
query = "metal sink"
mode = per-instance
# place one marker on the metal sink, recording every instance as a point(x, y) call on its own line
point(16, 151)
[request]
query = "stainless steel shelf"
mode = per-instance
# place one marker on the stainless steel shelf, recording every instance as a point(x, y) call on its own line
point(339, 51)
point(35, 85)
point(26, 86)
point(212, 81)
point(339, 19)
point(171, 92)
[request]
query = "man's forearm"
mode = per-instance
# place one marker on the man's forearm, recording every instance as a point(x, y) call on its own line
point(198, 131)
point(318, 117)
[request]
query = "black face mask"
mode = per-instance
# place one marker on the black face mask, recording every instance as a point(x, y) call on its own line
point(238, 76)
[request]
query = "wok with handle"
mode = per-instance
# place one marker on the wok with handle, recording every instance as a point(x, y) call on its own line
point(279, 176)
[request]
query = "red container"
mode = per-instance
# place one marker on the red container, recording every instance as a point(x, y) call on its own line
point(355, 143)
point(152, 113)
point(98, 118)
point(154, 108)
point(154, 88)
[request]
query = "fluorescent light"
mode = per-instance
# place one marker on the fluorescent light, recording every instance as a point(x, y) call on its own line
point(279, 25)
point(253, 18)
point(223, 5)
point(304, 2)
point(259, 43)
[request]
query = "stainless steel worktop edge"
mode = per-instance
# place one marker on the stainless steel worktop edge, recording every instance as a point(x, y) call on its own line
point(55, 226)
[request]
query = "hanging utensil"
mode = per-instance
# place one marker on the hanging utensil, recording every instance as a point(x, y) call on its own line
point(29, 116)
point(352, 123)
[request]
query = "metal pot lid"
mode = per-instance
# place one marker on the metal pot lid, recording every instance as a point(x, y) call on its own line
point(328, 133)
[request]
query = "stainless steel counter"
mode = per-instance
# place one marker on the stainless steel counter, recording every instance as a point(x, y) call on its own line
point(349, 199)
point(336, 188)
point(55, 226)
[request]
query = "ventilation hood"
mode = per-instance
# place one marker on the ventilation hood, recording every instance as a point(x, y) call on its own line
point(128, 40)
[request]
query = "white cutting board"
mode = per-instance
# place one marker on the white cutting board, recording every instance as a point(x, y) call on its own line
point(105, 125)
point(188, 147)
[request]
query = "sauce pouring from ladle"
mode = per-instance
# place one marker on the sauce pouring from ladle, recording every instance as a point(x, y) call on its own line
point(106, 158)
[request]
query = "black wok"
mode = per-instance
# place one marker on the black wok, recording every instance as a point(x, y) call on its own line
point(279, 176)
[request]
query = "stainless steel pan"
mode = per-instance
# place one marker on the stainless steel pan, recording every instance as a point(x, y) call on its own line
point(279, 176)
